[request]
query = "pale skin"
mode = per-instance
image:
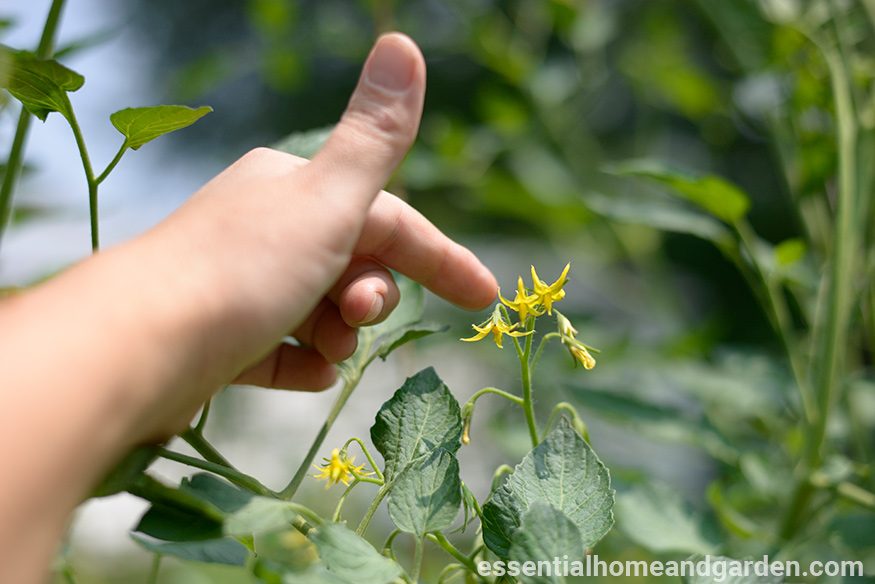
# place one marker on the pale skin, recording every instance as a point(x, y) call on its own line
point(123, 348)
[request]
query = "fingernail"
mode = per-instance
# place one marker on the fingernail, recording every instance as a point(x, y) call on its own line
point(375, 310)
point(391, 64)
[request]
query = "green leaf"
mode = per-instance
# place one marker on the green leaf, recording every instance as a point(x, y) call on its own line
point(725, 570)
point(563, 471)
point(656, 517)
point(407, 334)
point(258, 515)
point(420, 418)
point(143, 124)
point(176, 514)
point(195, 511)
point(179, 523)
point(712, 193)
point(304, 144)
point(402, 326)
point(41, 85)
point(546, 533)
point(427, 495)
point(352, 557)
point(665, 215)
point(126, 472)
point(225, 496)
point(215, 551)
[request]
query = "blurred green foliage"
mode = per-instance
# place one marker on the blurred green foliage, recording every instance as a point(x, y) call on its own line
point(705, 267)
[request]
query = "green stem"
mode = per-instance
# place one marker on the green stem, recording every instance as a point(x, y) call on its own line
point(388, 545)
point(349, 385)
point(196, 440)
point(776, 310)
point(16, 155)
point(368, 455)
point(156, 567)
point(417, 561)
point(335, 517)
point(576, 422)
point(369, 514)
point(89, 177)
point(494, 390)
point(541, 346)
point(528, 406)
point(440, 539)
point(238, 478)
point(500, 472)
point(202, 421)
point(112, 164)
point(448, 569)
point(839, 303)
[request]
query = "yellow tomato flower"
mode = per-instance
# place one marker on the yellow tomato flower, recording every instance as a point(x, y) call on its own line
point(578, 350)
point(547, 295)
point(497, 326)
point(523, 303)
point(339, 469)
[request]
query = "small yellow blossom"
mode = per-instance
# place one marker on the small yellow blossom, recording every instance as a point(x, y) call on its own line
point(578, 350)
point(523, 303)
point(547, 295)
point(498, 327)
point(339, 469)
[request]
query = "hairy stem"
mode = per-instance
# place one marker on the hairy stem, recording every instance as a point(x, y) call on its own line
point(350, 383)
point(235, 476)
point(417, 561)
point(369, 514)
point(440, 539)
point(197, 441)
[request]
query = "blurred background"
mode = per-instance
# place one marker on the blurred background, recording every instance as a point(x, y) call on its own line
point(531, 104)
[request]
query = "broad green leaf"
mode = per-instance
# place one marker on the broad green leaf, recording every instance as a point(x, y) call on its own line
point(421, 417)
point(126, 472)
point(214, 551)
point(712, 193)
point(304, 144)
point(41, 85)
point(176, 514)
point(260, 514)
point(143, 124)
point(657, 518)
point(352, 557)
point(427, 494)
point(723, 570)
point(562, 471)
point(225, 496)
point(174, 523)
point(546, 533)
point(667, 215)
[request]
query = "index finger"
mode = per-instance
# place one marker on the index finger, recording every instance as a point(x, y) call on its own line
point(399, 237)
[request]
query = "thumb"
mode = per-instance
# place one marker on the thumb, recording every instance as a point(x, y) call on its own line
point(378, 127)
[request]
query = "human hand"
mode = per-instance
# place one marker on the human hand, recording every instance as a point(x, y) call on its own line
point(277, 245)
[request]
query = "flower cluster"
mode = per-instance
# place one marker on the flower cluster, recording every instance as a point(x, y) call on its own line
point(530, 303)
point(339, 469)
